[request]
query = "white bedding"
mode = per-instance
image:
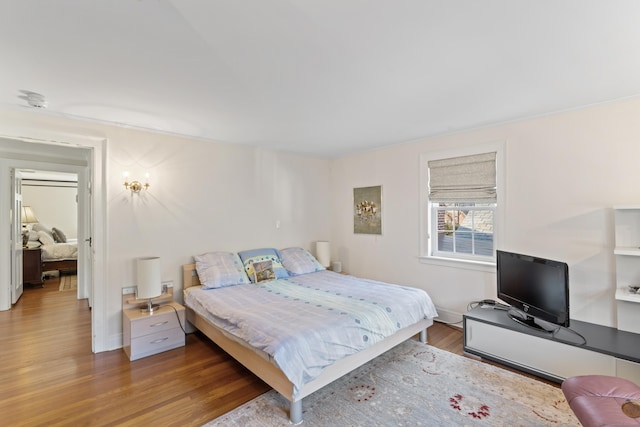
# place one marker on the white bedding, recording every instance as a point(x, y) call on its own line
point(60, 251)
point(305, 323)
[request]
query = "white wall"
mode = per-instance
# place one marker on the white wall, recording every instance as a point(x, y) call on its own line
point(564, 172)
point(204, 196)
point(54, 206)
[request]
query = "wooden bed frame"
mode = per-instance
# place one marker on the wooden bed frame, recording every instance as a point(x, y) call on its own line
point(258, 362)
point(60, 265)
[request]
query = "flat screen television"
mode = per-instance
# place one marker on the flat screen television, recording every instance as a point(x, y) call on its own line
point(537, 288)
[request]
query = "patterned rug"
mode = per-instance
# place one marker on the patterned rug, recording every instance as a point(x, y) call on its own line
point(68, 283)
point(417, 385)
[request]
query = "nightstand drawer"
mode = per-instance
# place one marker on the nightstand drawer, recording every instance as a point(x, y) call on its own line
point(144, 334)
point(154, 323)
point(156, 342)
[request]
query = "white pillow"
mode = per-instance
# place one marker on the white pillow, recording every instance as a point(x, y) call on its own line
point(45, 238)
point(299, 261)
point(219, 269)
point(39, 227)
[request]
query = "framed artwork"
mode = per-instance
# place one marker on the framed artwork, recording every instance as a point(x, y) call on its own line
point(367, 210)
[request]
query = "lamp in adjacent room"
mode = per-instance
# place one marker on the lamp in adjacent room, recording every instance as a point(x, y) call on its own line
point(323, 253)
point(28, 217)
point(149, 284)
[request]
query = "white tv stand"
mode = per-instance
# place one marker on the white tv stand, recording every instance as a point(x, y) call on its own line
point(492, 335)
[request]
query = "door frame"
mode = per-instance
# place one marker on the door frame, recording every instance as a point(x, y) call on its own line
point(17, 281)
point(95, 151)
point(83, 209)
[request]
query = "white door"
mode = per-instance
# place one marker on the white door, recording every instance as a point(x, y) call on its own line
point(85, 237)
point(16, 236)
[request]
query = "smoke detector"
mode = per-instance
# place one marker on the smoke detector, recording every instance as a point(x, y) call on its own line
point(36, 100)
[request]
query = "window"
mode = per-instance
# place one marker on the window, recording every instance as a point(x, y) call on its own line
point(460, 208)
point(462, 229)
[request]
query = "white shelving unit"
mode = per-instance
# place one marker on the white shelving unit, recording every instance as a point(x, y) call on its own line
point(627, 255)
point(625, 295)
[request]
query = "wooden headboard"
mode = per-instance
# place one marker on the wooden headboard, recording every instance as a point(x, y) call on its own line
point(189, 276)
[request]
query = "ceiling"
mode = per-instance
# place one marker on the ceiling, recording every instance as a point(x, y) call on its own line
point(324, 77)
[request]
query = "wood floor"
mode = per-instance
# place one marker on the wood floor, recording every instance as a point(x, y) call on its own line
point(48, 375)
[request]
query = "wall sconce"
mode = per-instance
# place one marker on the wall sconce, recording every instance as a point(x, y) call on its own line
point(135, 186)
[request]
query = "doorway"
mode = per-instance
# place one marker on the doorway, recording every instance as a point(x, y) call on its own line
point(83, 158)
point(50, 211)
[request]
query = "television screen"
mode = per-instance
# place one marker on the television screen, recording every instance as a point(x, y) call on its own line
point(537, 287)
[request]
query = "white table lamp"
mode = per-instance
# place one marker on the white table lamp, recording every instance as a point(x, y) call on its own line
point(323, 253)
point(149, 282)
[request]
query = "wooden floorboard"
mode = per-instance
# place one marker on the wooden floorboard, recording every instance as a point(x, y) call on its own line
point(48, 375)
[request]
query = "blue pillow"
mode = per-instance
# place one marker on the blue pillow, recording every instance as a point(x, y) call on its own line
point(220, 269)
point(299, 261)
point(259, 255)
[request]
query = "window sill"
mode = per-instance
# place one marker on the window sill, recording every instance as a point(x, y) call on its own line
point(466, 264)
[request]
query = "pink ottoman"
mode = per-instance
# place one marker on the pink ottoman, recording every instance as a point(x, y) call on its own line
point(597, 399)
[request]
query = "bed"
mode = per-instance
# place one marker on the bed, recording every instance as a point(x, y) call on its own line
point(62, 257)
point(58, 252)
point(347, 320)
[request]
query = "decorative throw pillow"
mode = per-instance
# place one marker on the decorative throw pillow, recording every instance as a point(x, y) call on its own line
point(220, 269)
point(265, 254)
point(45, 238)
point(299, 261)
point(58, 235)
point(263, 271)
point(39, 227)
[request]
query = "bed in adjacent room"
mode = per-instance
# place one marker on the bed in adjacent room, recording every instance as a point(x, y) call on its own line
point(58, 252)
point(62, 257)
point(294, 324)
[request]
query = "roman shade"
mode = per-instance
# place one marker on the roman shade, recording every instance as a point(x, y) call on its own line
point(466, 178)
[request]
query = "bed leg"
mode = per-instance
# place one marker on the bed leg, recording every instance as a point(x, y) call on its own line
point(423, 336)
point(295, 413)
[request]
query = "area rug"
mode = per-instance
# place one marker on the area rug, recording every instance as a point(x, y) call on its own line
point(68, 282)
point(417, 385)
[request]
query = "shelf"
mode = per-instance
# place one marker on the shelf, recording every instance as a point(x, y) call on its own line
point(630, 251)
point(627, 253)
point(627, 207)
point(623, 294)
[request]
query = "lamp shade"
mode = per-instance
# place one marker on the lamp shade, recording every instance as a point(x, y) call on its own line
point(28, 217)
point(323, 253)
point(149, 282)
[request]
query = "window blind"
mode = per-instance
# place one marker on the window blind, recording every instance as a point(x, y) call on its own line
point(467, 178)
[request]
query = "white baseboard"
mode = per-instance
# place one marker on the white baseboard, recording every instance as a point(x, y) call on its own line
point(114, 342)
point(449, 317)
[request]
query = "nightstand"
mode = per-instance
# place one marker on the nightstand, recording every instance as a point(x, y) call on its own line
point(32, 266)
point(145, 334)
